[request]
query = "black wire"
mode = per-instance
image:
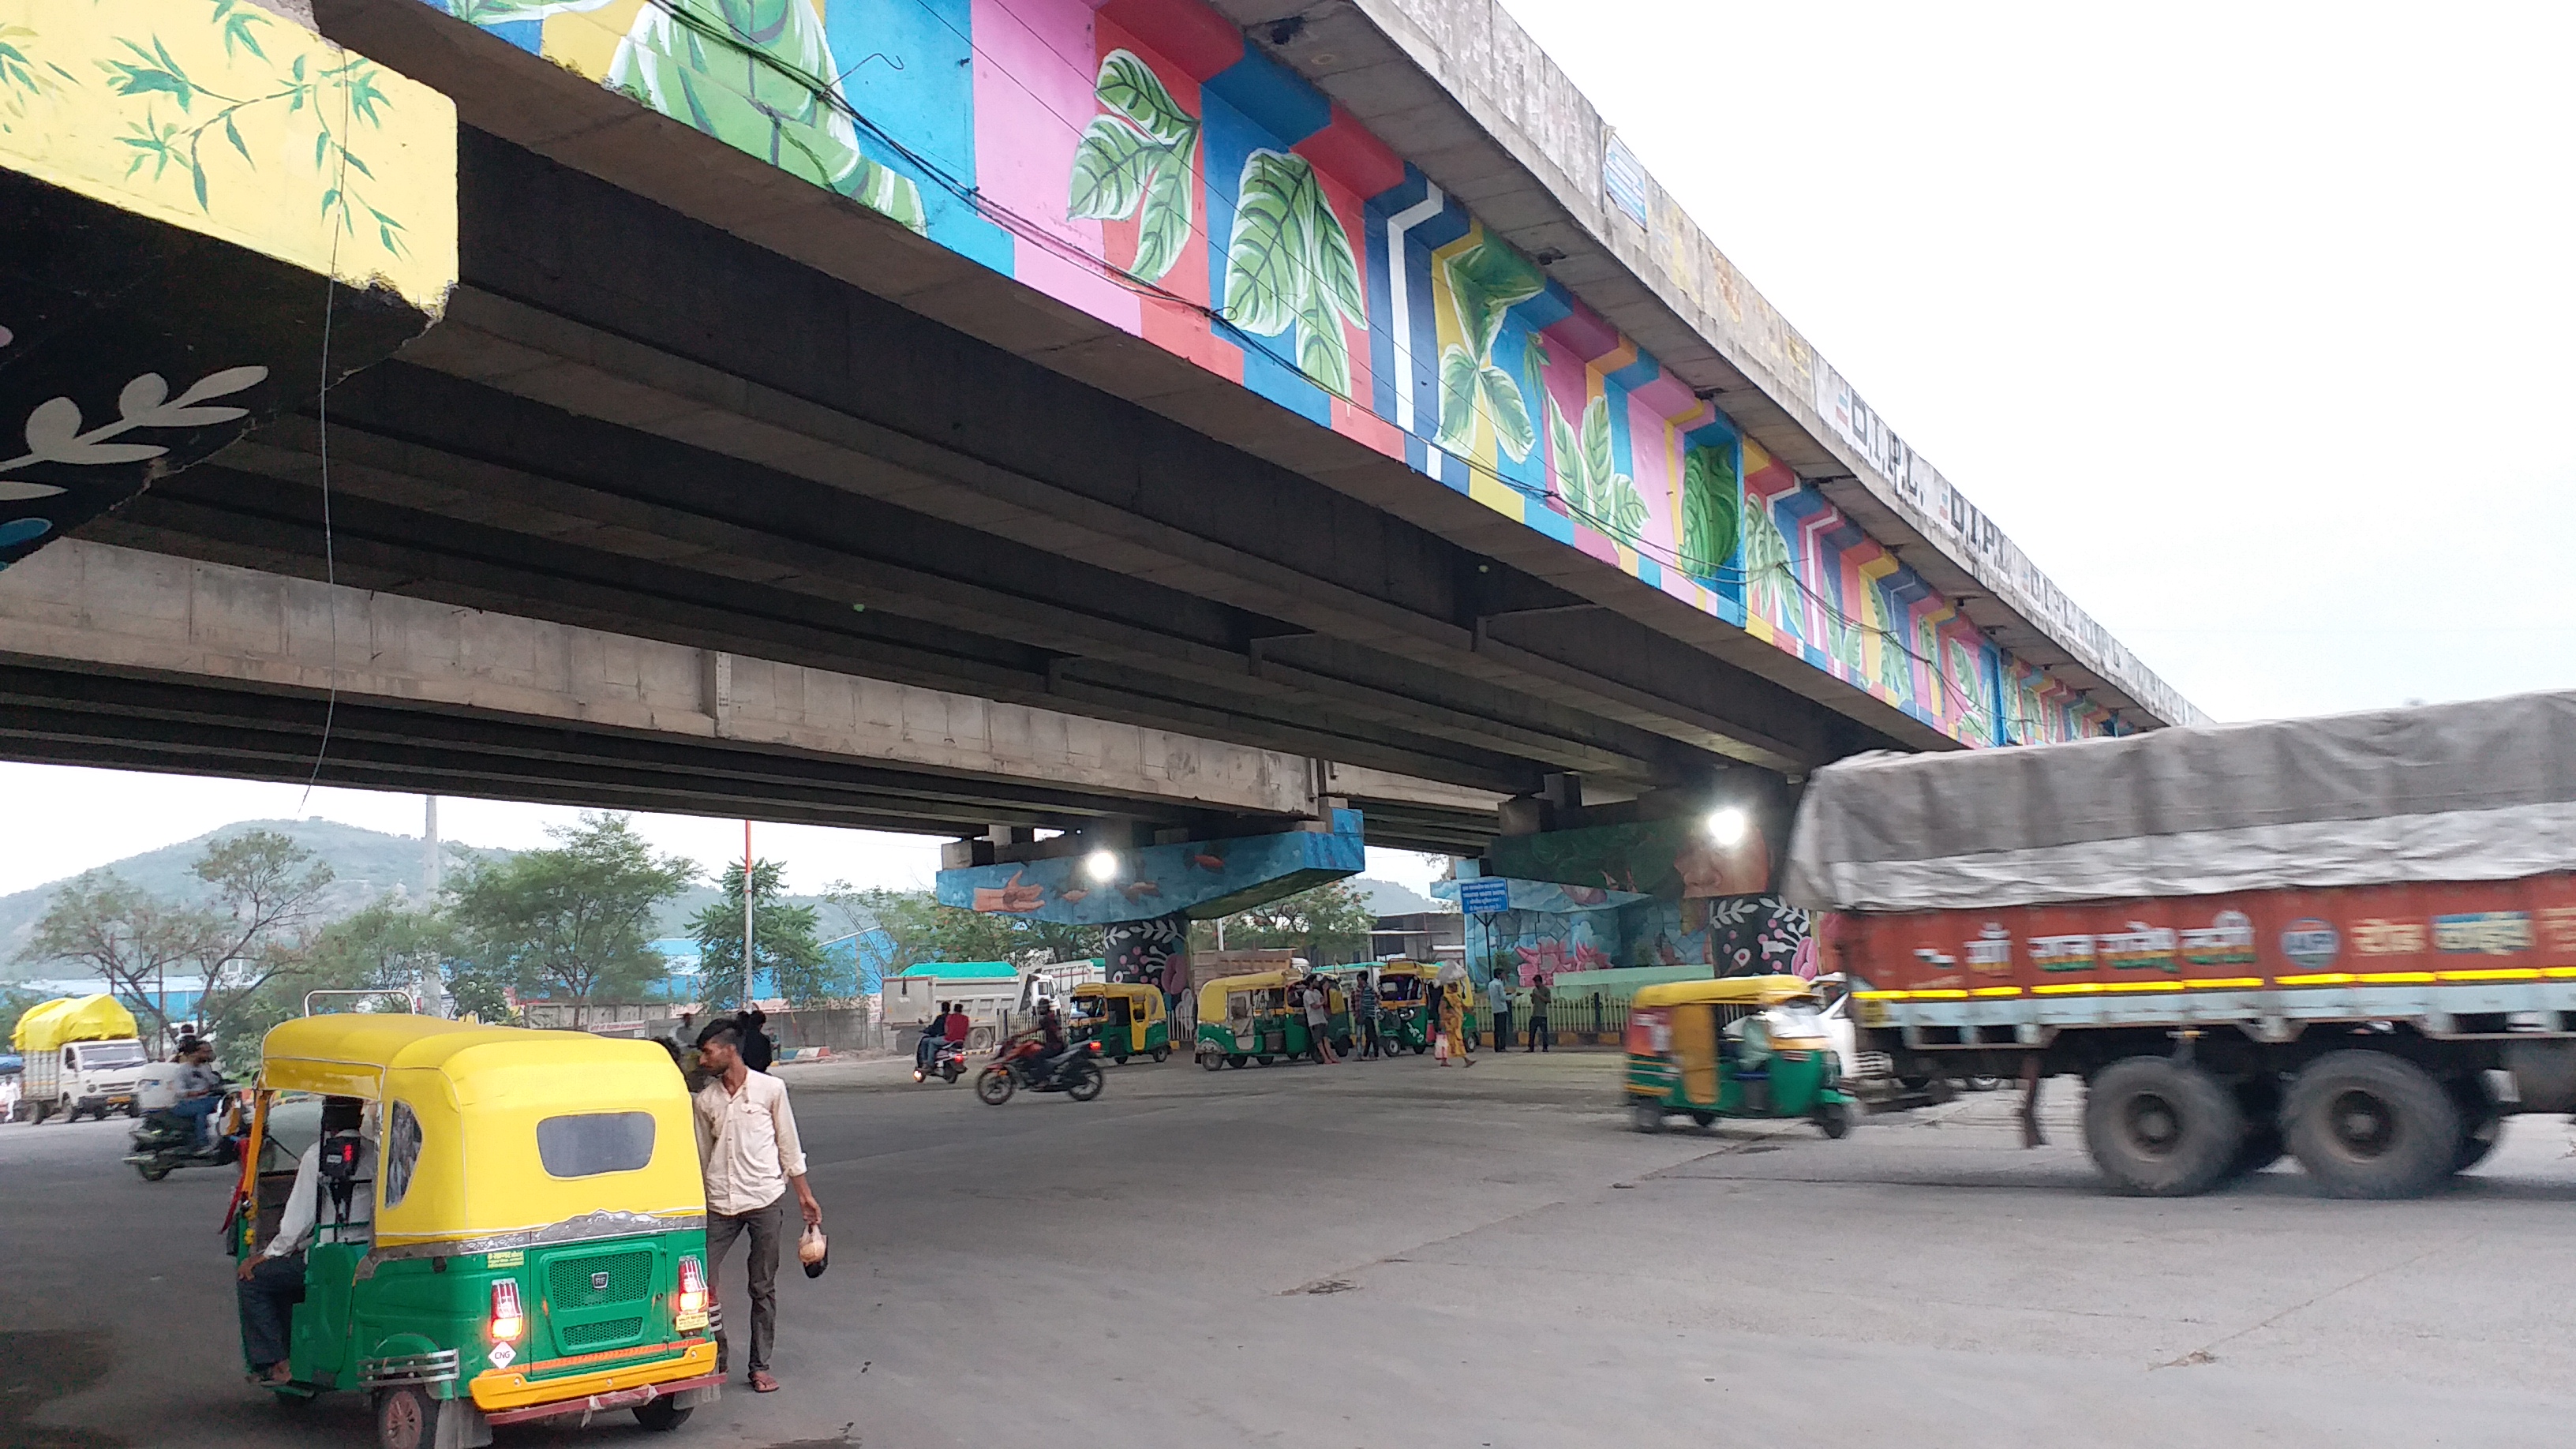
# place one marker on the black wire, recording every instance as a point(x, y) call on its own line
point(322, 431)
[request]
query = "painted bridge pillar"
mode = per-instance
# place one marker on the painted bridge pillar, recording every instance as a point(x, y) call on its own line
point(1146, 896)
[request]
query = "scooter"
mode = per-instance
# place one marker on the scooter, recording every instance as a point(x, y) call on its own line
point(165, 1142)
point(947, 1060)
point(1021, 1062)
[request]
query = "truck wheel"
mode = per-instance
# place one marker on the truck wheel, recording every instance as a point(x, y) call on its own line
point(2367, 1124)
point(2159, 1128)
point(2476, 1141)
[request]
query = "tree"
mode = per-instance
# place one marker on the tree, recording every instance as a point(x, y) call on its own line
point(385, 947)
point(925, 930)
point(1324, 923)
point(257, 929)
point(782, 942)
point(574, 920)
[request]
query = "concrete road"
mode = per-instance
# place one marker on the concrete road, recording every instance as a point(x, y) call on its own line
point(1397, 1255)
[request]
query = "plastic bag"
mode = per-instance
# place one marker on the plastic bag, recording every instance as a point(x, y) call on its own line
point(813, 1252)
point(1440, 1047)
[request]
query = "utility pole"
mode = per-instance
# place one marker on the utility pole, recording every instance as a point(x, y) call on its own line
point(430, 872)
point(746, 915)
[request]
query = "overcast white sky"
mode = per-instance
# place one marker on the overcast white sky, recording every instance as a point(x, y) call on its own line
point(2249, 322)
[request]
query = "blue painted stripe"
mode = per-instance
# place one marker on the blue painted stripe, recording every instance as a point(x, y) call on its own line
point(1272, 97)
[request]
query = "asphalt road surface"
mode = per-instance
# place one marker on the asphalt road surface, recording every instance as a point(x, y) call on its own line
point(1396, 1256)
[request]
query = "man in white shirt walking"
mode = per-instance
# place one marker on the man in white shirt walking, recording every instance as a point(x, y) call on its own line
point(748, 1144)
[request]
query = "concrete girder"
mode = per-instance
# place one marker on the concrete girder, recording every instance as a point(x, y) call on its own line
point(112, 656)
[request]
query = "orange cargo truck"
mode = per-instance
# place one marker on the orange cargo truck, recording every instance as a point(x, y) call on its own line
point(2350, 938)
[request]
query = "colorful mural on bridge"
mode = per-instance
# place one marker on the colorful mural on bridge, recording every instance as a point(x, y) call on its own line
point(1138, 160)
point(177, 178)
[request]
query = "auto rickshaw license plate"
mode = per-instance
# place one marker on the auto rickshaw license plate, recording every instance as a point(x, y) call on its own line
point(688, 1321)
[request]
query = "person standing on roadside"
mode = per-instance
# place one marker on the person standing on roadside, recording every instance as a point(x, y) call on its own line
point(1452, 1001)
point(757, 1049)
point(1541, 997)
point(1498, 1001)
point(748, 1145)
point(1319, 1022)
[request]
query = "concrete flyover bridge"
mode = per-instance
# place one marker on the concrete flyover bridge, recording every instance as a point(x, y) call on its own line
point(1329, 399)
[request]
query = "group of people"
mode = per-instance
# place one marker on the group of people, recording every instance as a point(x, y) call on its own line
point(748, 1149)
point(1500, 1000)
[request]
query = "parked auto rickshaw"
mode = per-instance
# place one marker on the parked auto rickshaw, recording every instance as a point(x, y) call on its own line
point(1248, 1018)
point(1126, 1018)
point(1743, 1046)
point(1409, 996)
point(538, 1243)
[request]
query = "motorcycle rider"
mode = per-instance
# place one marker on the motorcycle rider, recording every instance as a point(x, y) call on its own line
point(925, 1052)
point(1051, 1058)
point(200, 1087)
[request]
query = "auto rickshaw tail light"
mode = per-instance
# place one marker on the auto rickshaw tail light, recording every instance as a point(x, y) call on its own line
point(508, 1320)
point(1643, 1032)
point(693, 1286)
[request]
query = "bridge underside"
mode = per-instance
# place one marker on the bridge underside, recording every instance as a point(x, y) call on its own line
point(633, 422)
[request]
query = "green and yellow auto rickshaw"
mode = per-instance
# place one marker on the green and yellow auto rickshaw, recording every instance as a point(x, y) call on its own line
point(1743, 1046)
point(1249, 1018)
point(527, 1240)
point(1409, 1004)
point(1126, 1018)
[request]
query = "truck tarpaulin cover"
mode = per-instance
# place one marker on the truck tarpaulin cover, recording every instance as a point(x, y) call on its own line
point(2455, 792)
point(85, 1018)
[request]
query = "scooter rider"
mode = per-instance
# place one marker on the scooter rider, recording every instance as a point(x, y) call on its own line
point(200, 1087)
point(925, 1052)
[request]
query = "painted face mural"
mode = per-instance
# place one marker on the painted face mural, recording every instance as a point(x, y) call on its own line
point(1140, 162)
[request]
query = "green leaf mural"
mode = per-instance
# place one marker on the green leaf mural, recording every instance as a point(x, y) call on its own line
point(1767, 579)
point(1137, 154)
point(1710, 507)
point(1485, 281)
point(1289, 263)
point(1587, 476)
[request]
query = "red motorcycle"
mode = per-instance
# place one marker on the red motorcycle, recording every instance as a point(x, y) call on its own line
point(1022, 1062)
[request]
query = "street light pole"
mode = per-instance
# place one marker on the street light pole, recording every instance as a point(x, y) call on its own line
point(746, 915)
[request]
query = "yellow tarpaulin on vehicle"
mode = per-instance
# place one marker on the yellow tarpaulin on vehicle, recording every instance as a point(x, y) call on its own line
point(48, 1025)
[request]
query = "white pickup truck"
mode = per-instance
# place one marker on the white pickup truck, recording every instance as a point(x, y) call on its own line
point(95, 1077)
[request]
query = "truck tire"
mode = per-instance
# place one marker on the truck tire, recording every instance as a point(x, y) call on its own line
point(2477, 1140)
point(2161, 1128)
point(2368, 1124)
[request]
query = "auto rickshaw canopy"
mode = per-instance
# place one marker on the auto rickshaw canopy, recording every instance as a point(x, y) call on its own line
point(1212, 994)
point(49, 1025)
point(1124, 991)
point(490, 1131)
point(1724, 991)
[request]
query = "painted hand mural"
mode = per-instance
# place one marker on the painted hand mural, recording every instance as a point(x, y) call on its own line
point(1141, 153)
point(1289, 263)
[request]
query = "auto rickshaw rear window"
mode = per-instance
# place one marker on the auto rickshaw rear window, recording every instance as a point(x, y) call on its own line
point(587, 1144)
point(402, 1151)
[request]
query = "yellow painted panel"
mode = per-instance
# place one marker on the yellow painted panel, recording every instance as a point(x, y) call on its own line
point(1695, 1044)
point(235, 123)
point(586, 40)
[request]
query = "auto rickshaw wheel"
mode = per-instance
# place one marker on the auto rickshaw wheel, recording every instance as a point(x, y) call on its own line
point(993, 1086)
point(661, 1416)
point(1162, 1054)
point(1234, 1061)
point(406, 1418)
point(1703, 1119)
point(1121, 1058)
point(1647, 1117)
point(1833, 1119)
point(1265, 1061)
point(1420, 1047)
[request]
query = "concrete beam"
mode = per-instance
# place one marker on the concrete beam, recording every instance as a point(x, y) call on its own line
point(95, 609)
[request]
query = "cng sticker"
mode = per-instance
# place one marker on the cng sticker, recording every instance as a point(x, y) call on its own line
point(2310, 943)
point(502, 1355)
point(514, 1258)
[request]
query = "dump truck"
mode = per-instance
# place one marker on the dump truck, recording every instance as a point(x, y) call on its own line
point(2349, 938)
point(82, 1055)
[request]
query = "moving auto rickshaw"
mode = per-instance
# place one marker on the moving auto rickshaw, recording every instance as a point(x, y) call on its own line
point(538, 1237)
point(1249, 1018)
point(1742, 1046)
point(1125, 1017)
